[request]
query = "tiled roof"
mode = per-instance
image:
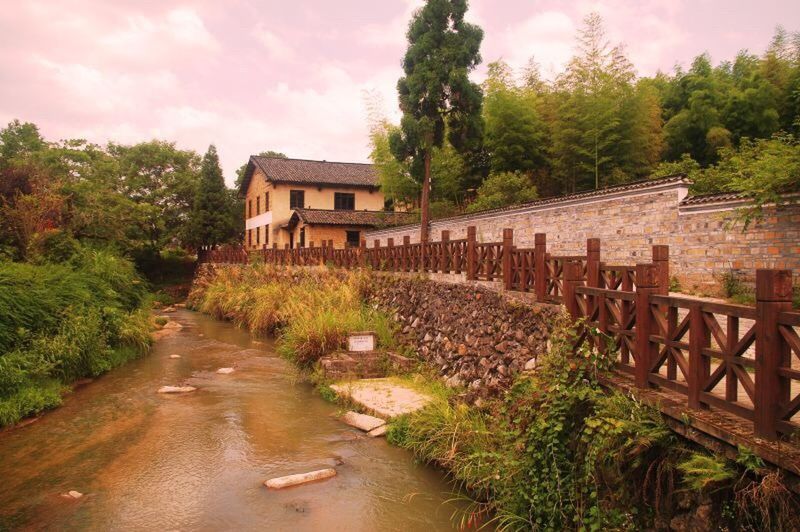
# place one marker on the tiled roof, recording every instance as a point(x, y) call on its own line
point(359, 218)
point(713, 198)
point(303, 171)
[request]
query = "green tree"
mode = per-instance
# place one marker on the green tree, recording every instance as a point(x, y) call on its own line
point(18, 140)
point(397, 185)
point(211, 221)
point(436, 95)
point(503, 189)
point(516, 134)
point(164, 179)
point(602, 118)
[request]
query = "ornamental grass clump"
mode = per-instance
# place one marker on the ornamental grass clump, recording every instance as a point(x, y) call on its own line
point(310, 311)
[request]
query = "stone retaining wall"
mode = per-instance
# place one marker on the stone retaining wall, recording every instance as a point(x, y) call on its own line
point(471, 335)
point(629, 219)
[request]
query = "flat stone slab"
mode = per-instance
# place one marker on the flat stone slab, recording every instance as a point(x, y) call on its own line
point(384, 397)
point(225, 371)
point(301, 478)
point(362, 421)
point(176, 389)
point(380, 431)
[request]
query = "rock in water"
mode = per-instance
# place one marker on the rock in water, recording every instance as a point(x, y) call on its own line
point(380, 431)
point(225, 371)
point(174, 356)
point(302, 478)
point(176, 389)
point(362, 421)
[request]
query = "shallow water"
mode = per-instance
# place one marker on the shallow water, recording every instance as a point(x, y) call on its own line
point(147, 461)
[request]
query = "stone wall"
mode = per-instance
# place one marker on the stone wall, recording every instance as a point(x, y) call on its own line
point(471, 335)
point(629, 219)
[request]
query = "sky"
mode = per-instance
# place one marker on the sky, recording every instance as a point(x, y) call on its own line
point(300, 76)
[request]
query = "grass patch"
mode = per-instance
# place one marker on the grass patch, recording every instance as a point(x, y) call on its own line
point(311, 312)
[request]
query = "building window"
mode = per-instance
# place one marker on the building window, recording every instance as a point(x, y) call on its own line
point(266, 201)
point(249, 208)
point(353, 239)
point(258, 204)
point(344, 201)
point(258, 235)
point(297, 199)
point(250, 237)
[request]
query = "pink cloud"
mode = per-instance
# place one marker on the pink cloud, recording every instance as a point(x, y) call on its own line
point(293, 76)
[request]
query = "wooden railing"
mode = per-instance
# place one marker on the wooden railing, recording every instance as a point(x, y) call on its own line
point(733, 358)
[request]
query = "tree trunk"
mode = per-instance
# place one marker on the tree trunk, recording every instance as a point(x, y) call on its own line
point(426, 190)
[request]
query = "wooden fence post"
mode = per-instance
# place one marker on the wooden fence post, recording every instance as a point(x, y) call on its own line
point(773, 296)
point(573, 278)
point(540, 265)
point(362, 252)
point(661, 259)
point(593, 262)
point(406, 252)
point(646, 284)
point(471, 258)
point(390, 254)
point(444, 252)
point(508, 249)
point(699, 339)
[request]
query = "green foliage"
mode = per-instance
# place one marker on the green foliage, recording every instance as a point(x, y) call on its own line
point(17, 140)
point(62, 322)
point(701, 471)
point(516, 132)
point(312, 312)
point(210, 222)
point(436, 95)
point(503, 189)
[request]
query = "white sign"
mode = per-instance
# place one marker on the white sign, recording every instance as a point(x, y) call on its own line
point(361, 342)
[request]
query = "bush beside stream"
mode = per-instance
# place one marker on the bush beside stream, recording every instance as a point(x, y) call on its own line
point(63, 322)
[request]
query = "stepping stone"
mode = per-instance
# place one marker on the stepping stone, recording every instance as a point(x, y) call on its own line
point(380, 431)
point(302, 478)
point(387, 398)
point(362, 421)
point(176, 389)
point(174, 356)
point(225, 371)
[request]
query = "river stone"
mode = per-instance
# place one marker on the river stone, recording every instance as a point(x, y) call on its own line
point(530, 365)
point(380, 431)
point(225, 371)
point(176, 389)
point(174, 356)
point(362, 421)
point(301, 478)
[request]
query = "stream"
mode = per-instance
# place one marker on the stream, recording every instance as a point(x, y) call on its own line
point(197, 461)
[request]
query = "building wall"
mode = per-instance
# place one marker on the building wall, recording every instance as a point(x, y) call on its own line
point(279, 213)
point(703, 243)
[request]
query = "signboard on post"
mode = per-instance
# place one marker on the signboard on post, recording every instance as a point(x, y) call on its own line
point(359, 342)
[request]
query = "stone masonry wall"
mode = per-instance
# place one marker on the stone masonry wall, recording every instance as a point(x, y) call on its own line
point(471, 335)
point(629, 220)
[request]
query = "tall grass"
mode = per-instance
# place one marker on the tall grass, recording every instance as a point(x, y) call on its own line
point(311, 311)
point(62, 322)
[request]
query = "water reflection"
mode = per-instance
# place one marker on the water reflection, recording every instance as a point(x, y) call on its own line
point(197, 461)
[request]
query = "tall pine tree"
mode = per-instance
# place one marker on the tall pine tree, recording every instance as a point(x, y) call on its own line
point(436, 95)
point(212, 217)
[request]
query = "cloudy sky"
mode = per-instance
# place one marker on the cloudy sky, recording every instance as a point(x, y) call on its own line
point(294, 76)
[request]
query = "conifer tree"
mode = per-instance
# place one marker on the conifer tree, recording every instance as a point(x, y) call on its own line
point(436, 95)
point(211, 221)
